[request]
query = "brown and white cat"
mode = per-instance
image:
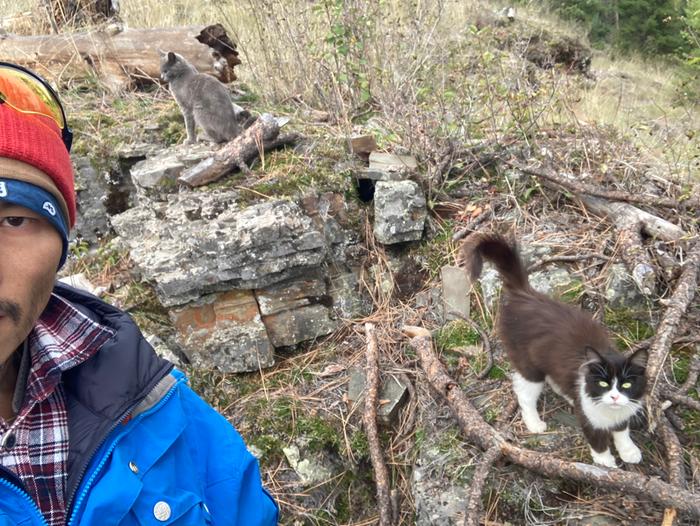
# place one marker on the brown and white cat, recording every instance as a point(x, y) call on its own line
point(549, 341)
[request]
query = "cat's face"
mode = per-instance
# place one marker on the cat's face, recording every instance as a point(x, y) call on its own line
point(171, 65)
point(613, 381)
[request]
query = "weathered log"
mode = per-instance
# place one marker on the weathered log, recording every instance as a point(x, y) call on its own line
point(122, 58)
point(623, 215)
point(236, 153)
point(478, 432)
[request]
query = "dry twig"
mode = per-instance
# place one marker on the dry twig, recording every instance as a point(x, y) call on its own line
point(613, 195)
point(680, 399)
point(482, 434)
point(659, 350)
point(692, 378)
point(674, 462)
point(556, 259)
point(381, 473)
point(477, 485)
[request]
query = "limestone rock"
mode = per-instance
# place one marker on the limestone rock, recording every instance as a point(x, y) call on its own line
point(224, 331)
point(156, 176)
point(311, 468)
point(162, 349)
point(348, 302)
point(387, 167)
point(552, 282)
point(621, 291)
point(393, 393)
point(455, 292)
point(297, 310)
point(92, 190)
point(399, 212)
point(200, 243)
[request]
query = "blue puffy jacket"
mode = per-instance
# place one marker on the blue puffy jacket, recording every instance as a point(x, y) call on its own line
point(144, 448)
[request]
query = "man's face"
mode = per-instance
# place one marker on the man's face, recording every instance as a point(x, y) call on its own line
point(30, 250)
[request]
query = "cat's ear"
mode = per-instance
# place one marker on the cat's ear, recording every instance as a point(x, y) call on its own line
point(171, 57)
point(592, 356)
point(161, 52)
point(639, 358)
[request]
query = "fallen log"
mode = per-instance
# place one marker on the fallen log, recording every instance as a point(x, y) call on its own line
point(120, 58)
point(477, 431)
point(258, 138)
point(623, 215)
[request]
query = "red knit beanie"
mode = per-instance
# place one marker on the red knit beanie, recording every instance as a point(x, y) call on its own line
point(35, 140)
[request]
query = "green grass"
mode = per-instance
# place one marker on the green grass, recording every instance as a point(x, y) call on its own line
point(627, 327)
point(457, 333)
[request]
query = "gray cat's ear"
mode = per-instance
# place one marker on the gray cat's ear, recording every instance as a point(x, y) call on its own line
point(171, 56)
point(592, 356)
point(161, 52)
point(639, 358)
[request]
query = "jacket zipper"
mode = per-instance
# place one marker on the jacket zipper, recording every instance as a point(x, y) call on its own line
point(26, 499)
point(78, 502)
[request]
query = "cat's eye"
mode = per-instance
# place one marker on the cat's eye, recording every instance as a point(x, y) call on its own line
point(627, 385)
point(603, 383)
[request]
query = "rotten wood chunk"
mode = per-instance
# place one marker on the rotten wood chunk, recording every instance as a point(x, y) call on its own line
point(362, 146)
point(122, 59)
point(224, 51)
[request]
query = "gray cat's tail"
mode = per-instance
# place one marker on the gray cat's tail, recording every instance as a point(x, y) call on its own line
point(496, 249)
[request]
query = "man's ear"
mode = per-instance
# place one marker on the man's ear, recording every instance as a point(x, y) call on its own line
point(639, 358)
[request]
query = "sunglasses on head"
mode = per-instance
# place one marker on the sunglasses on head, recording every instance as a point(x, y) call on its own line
point(26, 92)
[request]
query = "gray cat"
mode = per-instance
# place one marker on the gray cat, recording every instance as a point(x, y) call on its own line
point(204, 100)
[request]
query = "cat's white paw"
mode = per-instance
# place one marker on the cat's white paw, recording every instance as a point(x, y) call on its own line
point(630, 454)
point(535, 425)
point(604, 459)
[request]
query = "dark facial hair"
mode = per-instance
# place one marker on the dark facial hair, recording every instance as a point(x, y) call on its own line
point(12, 310)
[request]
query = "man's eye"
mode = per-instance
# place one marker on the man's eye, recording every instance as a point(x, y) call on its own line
point(603, 383)
point(14, 221)
point(627, 385)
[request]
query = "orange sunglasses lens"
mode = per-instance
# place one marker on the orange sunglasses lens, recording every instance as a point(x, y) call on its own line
point(27, 94)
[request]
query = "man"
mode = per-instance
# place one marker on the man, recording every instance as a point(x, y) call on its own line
point(95, 428)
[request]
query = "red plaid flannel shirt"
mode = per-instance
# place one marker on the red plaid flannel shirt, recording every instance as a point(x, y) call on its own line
point(62, 338)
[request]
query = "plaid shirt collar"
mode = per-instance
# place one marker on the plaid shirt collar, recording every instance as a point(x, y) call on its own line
point(62, 338)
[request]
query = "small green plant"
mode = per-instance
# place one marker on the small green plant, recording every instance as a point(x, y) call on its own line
point(457, 333)
point(626, 326)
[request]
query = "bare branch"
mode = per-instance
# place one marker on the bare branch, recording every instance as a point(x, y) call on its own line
point(381, 473)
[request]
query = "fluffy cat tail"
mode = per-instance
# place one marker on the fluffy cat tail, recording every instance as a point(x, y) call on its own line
point(496, 249)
